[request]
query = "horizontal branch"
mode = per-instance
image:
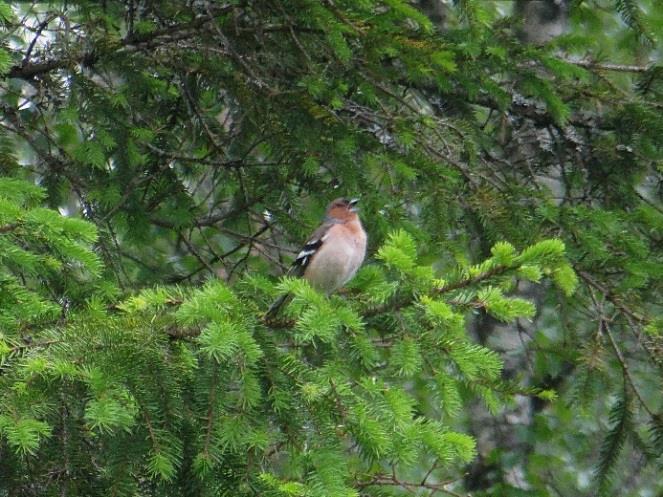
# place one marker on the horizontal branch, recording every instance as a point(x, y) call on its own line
point(542, 117)
point(29, 71)
point(496, 271)
point(229, 164)
point(607, 67)
point(392, 480)
point(131, 43)
point(209, 220)
point(457, 285)
point(535, 113)
point(8, 227)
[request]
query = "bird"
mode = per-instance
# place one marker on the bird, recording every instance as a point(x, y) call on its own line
point(332, 254)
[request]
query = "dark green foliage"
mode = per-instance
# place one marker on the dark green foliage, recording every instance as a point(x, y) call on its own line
point(161, 163)
point(621, 423)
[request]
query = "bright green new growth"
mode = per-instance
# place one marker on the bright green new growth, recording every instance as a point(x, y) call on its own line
point(161, 164)
point(191, 380)
point(39, 244)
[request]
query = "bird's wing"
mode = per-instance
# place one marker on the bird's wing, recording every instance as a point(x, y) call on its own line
point(309, 249)
point(301, 262)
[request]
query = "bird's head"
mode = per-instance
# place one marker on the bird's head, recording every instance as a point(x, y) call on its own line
point(343, 209)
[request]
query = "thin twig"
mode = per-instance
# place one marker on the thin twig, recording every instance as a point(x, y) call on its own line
point(196, 254)
point(625, 367)
point(40, 29)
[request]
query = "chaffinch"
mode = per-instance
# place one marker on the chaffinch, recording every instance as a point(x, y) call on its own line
point(333, 253)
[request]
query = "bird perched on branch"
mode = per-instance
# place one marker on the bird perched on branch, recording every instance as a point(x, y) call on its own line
point(333, 253)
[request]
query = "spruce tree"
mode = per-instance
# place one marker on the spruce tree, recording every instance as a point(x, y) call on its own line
point(161, 164)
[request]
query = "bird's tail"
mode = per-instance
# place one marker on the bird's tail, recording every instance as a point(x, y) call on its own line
point(277, 305)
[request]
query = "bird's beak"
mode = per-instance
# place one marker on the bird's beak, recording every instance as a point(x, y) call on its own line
point(353, 205)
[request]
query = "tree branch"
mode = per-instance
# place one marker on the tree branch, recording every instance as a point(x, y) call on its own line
point(625, 367)
point(607, 67)
point(392, 306)
point(392, 480)
point(616, 301)
point(131, 43)
point(8, 227)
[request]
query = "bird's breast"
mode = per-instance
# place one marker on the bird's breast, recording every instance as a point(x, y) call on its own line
point(337, 261)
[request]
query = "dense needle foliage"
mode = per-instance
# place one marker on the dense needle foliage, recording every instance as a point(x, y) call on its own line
point(162, 161)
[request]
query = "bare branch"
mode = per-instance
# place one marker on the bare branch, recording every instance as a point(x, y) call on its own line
point(607, 67)
point(8, 227)
point(131, 43)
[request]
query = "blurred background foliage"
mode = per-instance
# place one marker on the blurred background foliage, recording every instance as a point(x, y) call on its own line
point(161, 163)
